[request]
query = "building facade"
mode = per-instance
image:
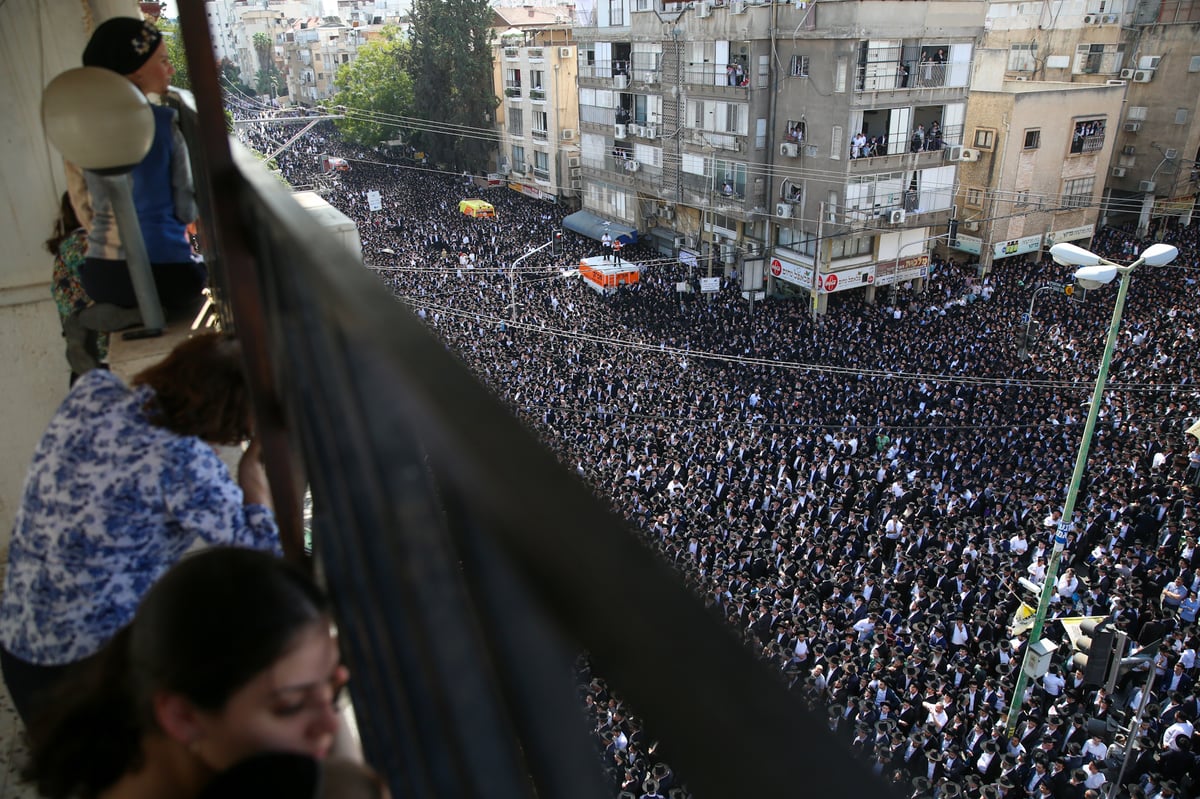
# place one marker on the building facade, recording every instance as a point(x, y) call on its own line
point(538, 116)
point(815, 141)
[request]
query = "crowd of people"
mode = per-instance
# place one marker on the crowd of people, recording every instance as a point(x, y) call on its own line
point(858, 494)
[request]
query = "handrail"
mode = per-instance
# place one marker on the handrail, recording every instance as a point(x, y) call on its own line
point(465, 563)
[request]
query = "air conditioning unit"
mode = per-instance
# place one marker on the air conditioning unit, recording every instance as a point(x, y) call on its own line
point(567, 134)
point(573, 161)
point(954, 152)
point(705, 9)
point(1170, 154)
point(1143, 75)
point(564, 52)
point(738, 7)
point(1118, 172)
point(972, 227)
point(783, 210)
point(896, 217)
point(790, 149)
point(1149, 61)
point(576, 183)
point(1146, 185)
point(689, 241)
point(652, 131)
point(970, 154)
point(1129, 149)
point(1127, 74)
point(632, 166)
point(620, 81)
point(1091, 19)
point(1110, 19)
point(620, 131)
point(1133, 127)
point(650, 77)
point(668, 213)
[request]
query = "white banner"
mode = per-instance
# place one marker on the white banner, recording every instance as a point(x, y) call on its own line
point(374, 201)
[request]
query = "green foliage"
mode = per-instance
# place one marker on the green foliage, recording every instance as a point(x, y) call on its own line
point(174, 39)
point(374, 83)
point(270, 82)
point(452, 77)
point(231, 78)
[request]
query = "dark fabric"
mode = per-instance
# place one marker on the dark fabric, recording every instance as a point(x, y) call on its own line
point(122, 44)
point(269, 775)
point(108, 281)
point(28, 684)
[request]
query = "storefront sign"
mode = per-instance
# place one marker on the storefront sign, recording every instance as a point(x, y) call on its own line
point(1006, 249)
point(1070, 234)
point(888, 272)
point(969, 244)
point(793, 273)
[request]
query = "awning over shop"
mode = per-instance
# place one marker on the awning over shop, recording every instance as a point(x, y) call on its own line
point(585, 223)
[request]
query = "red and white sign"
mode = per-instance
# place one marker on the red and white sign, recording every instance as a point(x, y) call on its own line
point(776, 267)
point(790, 272)
point(831, 281)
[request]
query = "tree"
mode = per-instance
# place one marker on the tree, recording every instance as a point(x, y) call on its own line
point(452, 77)
point(231, 78)
point(374, 84)
point(263, 49)
point(174, 39)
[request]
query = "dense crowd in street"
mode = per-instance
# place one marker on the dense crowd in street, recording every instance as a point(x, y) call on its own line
point(858, 494)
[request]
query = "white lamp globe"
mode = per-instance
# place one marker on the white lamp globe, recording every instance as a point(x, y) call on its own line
point(98, 119)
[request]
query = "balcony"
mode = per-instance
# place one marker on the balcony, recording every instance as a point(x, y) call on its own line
point(539, 135)
point(541, 174)
point(537, 95)
point(717, 79)
point(512, 53)
point(512, 90)
point(536, 54)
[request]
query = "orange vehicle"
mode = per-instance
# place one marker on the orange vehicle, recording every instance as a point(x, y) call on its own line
point(607, 275)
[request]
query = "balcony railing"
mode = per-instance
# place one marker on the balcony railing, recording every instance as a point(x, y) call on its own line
point(713, 75)
point(540, 135)
point(512, 52)
point(541, 174)
point(537, 95)
point(512, 90)
point(451, 538)
point(910, 76)
point(535, 54)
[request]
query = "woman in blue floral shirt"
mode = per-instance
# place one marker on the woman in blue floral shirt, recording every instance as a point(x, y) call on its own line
point(122, 483)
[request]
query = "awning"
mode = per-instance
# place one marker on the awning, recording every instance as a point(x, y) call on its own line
point(585, 223)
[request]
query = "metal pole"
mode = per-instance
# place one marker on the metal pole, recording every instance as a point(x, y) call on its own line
point(1066, 524)
point(120, 192)
point(1133, 725)
point(512, 279)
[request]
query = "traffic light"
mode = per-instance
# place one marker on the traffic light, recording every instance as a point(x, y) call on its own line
point(952, 235)
point(1098, 650)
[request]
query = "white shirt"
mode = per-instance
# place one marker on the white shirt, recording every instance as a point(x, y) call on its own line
point(1174, 731)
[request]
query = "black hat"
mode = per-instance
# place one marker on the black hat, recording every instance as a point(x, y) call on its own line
point(122, 44)
point(951, 789)
point(921, 784)
point(275, 773)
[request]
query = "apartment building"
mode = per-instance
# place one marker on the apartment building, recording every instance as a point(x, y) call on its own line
point(818, 139)
point(538, 118)
point(312, 50)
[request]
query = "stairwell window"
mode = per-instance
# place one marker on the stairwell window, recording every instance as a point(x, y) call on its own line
point(1077, 193)
point(1033, 138)
point(1022, 58)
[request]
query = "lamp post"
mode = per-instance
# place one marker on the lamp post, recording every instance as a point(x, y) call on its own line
point(896, 264)
point(1094, 272)
point(512, 279)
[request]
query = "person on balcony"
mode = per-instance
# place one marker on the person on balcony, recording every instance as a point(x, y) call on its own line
point(230, 656)
point(123, 482)
point(162, 182)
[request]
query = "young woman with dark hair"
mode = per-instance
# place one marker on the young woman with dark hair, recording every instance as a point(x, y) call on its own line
point(231, 654)
point(122, 483)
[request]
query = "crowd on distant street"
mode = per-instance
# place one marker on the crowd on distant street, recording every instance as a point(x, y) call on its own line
point(858, 494)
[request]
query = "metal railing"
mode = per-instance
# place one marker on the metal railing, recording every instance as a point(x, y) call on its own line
point(466, 565)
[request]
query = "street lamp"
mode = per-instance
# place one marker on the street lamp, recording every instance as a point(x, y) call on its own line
point(1094, 272)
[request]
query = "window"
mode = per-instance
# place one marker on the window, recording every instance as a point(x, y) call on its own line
point(518, 158)
point(616, 13)
point(539, 121)
point(536, 77)
point(1181, 115)
point(1077, 193)
point(516, 122)
point(835, 146)
point(1137, 113)
point(541, 164)
point(1194, 64)
point(1033, 138)
point(1088, 136)
point(975, 198)
point(729, 178)
point(839, 78)
point(1021, 198)
point(984, 138)
point(1022, 58)
point(850, 248)
point(1094, 59)
point(799, 66)
point(797, 131)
